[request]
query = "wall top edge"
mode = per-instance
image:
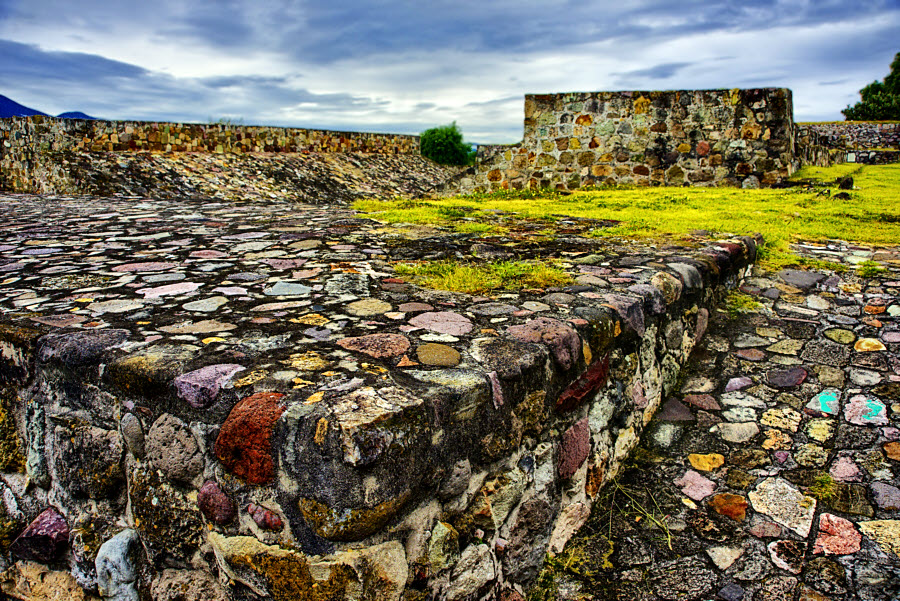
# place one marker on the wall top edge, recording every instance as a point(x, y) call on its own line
point(627, 92)
point(223, 126)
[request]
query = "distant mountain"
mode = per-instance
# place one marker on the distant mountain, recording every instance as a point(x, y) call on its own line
point(11, 108)
point(75, 115)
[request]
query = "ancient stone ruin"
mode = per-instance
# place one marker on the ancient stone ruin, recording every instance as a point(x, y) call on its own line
point(208, 400)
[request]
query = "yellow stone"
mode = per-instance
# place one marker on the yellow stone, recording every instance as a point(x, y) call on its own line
point(788, 289)
point(586, 351)
point(868, 345)
point(706, 463)
point(641, 105)
point(684, 148)
point(820, 429)
point(312, 319)
point(212, 339)
point(308, 361)
point(777, 440)
point(251, 378)
point(886, 533)
point(314, 398)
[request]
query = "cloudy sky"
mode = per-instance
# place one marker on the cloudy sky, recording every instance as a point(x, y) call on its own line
point(403, 66)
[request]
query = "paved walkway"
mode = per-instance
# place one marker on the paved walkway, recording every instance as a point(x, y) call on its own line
point(774, 474)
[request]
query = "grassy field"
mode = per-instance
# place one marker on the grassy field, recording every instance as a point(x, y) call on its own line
point(871, 215)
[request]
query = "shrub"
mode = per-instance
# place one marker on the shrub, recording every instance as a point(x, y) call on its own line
point(445, 145)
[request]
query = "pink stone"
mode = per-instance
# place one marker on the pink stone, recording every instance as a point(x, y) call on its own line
point(149, 266)
point(208, 254)
point(574, 448)
point(862, 411)
point(60, 321)
point(845, 470)
point(751, 354)
point(169, 289)
point(695, 486)
point(890, 336)
point(201, 386)
point(766, 530)
point(703, 401)
point(562, 340)
point(380, 346)
point(415, 307)
point(444, 322)
point(837, 536)
point(303, 274)
point(738, 384)
point(702, 323)
point(281, 264)
point(231, 290)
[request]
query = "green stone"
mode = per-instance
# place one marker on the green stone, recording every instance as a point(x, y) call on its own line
point(840, 335)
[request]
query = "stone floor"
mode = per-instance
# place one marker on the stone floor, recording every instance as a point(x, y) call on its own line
point(775, 473)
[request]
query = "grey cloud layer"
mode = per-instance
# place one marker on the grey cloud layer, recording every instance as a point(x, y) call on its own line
point(424, 51)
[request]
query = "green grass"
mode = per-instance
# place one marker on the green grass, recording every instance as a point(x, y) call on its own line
point(483, 278)
point(869, 269)
point(737, 303)
point(870, 216)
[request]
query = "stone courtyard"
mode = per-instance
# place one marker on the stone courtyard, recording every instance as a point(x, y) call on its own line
point(162, 349)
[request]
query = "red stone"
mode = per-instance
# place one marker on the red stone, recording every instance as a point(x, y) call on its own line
point(379, 346)
point(44, 539)
point(563, 341)
point(265, 518)
point(585, 386)
point(574, 448)
point(703, 401)
point(837, 536)
point(732, 506)
point(244, 443)
point(703, 148)
point(215, 504)
point(787, 378)
point(751, 354)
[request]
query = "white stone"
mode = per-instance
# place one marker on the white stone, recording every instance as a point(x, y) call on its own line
point(784, 504)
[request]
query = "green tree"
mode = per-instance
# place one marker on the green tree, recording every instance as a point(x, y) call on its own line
point(880, 99)
point(444, 145)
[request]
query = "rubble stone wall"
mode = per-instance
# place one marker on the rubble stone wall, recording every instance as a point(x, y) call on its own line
point(30, 146)
point(686, 137)
point(139, 472)
point(859, 135)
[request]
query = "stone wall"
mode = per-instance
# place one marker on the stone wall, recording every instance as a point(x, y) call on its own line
point(859, 134)
point(812, 148)
point(700, 138)
point(152, 464)
point(31, 147)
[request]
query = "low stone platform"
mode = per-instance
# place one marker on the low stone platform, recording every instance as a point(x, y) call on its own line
point(243, 401)
point(774, 472)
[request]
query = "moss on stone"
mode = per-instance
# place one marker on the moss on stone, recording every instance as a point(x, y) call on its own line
point(12, 459)
point(350, 524)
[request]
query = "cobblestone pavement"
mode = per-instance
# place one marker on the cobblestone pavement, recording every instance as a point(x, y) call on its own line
point(774, 474)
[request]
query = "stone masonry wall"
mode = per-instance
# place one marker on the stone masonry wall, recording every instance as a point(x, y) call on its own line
point(30, 146)
point(858, 134)
point(137, 465)
point(701, 138)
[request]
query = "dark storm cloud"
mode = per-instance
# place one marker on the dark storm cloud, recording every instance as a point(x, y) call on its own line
point(418, 51)
point(22, 63)
point(116, 89)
